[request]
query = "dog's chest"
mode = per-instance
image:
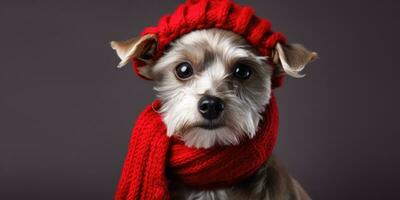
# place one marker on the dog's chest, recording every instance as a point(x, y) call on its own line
point(221, 194)
point(253, 187)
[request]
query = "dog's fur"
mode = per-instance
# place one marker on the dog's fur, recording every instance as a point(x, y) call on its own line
point(213, 55)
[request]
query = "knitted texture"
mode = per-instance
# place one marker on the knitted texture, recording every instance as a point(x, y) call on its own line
point(221, 14)
point(152, 154)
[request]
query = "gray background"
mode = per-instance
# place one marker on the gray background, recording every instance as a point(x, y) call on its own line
point(66, 112)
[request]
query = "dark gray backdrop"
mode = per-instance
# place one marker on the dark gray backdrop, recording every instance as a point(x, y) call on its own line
point(66, 112)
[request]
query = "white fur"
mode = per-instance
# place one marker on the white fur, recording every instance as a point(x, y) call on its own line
point(244, 100)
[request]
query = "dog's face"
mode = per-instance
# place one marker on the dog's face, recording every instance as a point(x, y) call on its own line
point(213, 88)
point(212, 84)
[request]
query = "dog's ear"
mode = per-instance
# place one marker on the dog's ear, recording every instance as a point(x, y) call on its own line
point(141, 48)
point(292, 58)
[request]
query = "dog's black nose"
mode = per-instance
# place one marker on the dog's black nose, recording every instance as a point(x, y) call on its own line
point(211, 107)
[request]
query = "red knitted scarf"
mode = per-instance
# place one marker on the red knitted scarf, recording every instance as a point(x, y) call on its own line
point(152, 154)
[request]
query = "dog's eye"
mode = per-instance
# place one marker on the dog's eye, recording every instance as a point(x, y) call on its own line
point(184, 71)
point(242, 71)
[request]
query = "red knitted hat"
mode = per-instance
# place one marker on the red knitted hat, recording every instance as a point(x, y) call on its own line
point(222, 14)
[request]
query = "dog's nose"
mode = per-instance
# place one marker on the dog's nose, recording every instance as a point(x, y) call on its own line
point(211, 107)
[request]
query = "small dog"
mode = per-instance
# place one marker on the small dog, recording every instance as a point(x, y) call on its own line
point(213, 86)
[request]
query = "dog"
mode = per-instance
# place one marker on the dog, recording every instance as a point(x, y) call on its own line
point(213, 85)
